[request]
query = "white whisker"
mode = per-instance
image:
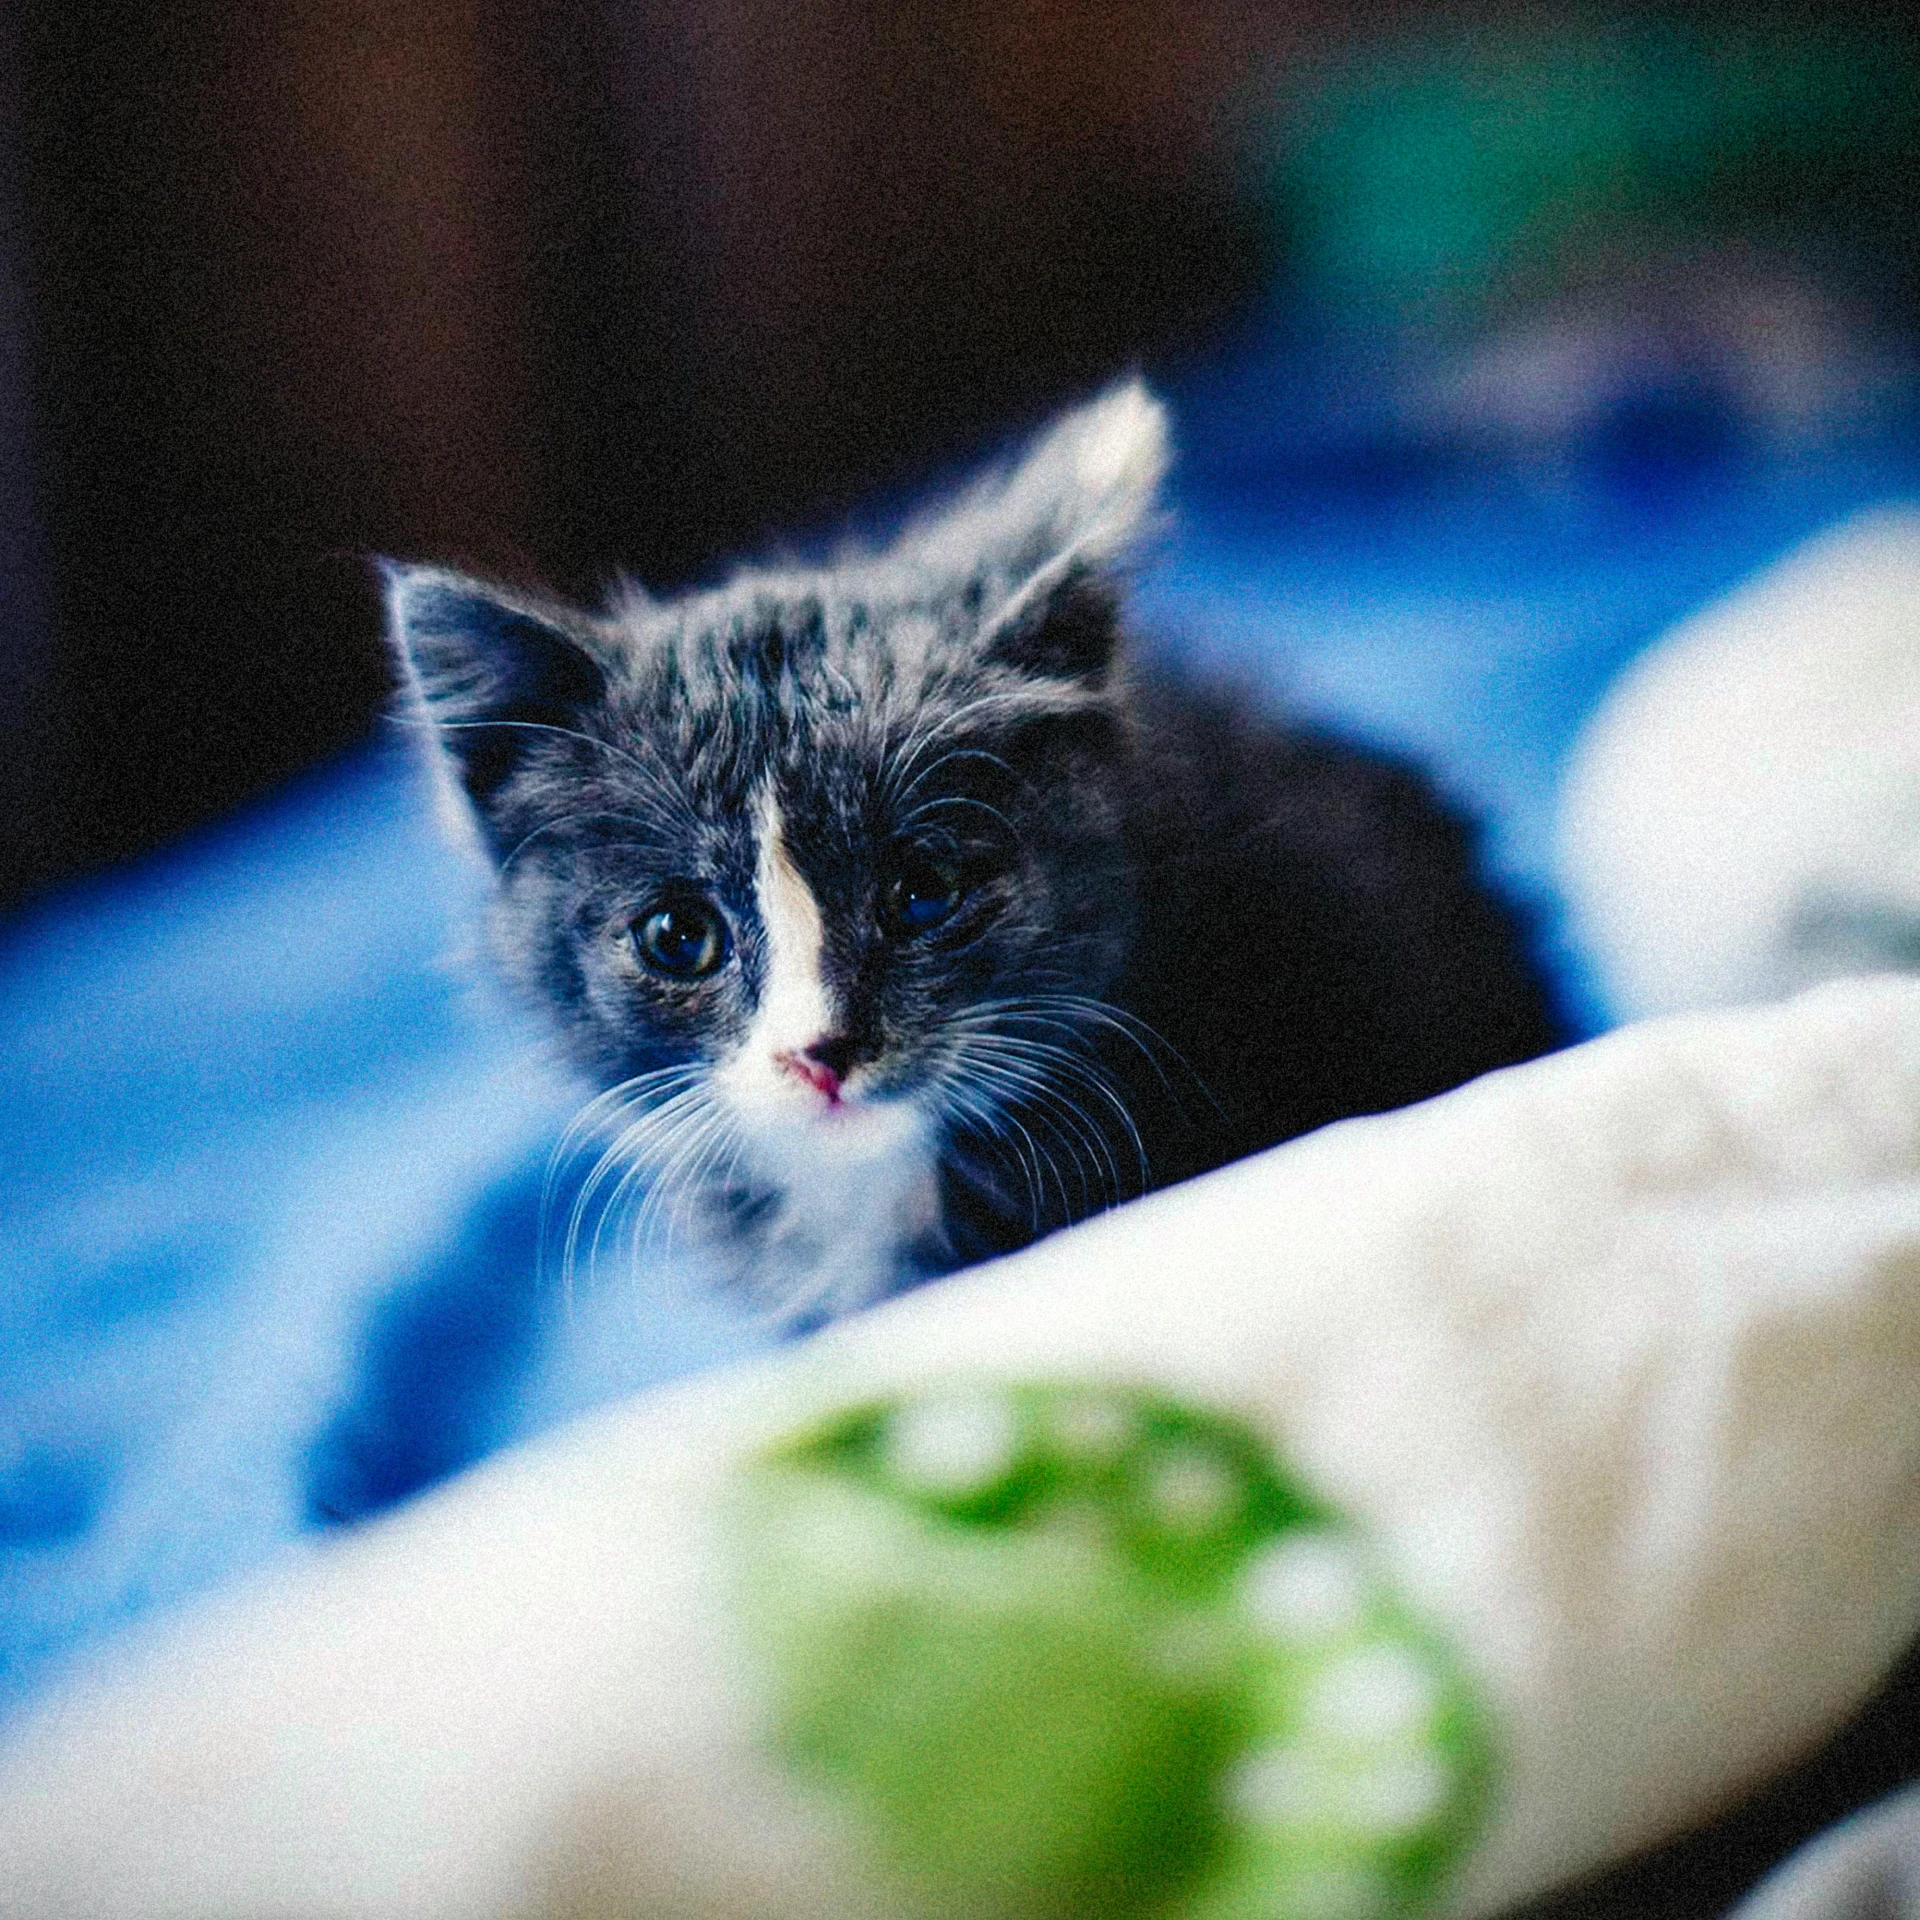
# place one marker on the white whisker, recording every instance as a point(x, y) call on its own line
point(999, 1129)
point(948, 803)
point(1077, 1011)
point(995, 703)
point(630, 1155)
point(900, 797)
point(1046, 1107)
point(673, 1182)
point(1045, 1057)
point(640, 1089)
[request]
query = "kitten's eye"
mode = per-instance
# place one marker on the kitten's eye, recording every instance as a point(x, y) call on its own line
point(684, 939)
point(925, 890)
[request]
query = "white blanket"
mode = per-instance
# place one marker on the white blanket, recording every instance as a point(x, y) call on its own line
point(1612, 1356)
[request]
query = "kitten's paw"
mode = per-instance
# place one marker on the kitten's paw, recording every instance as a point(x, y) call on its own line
point(1084, 1650)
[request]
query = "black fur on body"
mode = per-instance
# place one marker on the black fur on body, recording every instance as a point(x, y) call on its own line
point(1161, 929)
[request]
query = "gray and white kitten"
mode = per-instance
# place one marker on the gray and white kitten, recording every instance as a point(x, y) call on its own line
point(903, 917)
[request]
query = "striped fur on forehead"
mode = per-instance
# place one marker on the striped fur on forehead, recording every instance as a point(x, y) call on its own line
point(748, 683)
point(765, 646)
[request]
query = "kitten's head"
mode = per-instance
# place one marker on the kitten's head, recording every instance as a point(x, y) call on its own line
point(794, 847)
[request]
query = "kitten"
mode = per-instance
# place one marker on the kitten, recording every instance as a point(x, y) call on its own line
point(904, 916)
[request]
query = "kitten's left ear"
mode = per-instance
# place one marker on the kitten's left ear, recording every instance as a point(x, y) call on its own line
point(1042, 546)
point(488, 671)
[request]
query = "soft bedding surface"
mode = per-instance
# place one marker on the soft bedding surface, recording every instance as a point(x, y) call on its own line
point(1597, 1373)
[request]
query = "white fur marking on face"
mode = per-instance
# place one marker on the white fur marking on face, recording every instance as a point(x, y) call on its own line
point(794, 1010)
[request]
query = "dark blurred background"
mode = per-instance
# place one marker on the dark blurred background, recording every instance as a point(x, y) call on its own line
point(560, 289)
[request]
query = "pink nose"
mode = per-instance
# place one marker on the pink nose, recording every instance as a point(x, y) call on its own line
point(822, 1079)
point(822, 1066)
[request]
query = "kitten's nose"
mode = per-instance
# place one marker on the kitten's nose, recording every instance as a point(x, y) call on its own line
point(824, 1064)
point(836, 1052)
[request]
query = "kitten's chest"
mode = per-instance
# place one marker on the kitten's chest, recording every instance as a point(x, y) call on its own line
point(819, 1228)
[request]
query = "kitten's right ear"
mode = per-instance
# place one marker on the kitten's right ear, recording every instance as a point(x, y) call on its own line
point(488, 673)
point(1043, 547)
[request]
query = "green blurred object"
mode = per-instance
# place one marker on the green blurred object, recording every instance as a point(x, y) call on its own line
point(1432, 179)
point(1083, 1651)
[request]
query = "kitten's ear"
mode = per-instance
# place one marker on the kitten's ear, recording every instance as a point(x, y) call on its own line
point(1041, 547)
point(488, 673)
